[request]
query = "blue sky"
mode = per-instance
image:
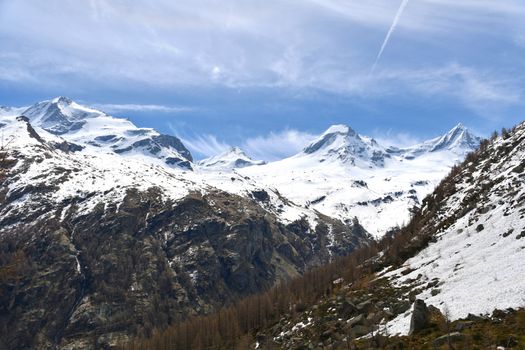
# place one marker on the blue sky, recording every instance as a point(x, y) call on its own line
point(269, 75)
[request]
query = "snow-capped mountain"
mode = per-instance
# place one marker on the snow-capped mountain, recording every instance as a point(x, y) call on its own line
point(452, 278)
point(95, 200)
point(345, 175)
point(341, 143)
point(232, 158)
point(98, 132)
point(458, 141)
point(341, 174)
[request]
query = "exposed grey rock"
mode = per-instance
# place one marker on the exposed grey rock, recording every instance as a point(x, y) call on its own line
point(347, 309)
point(452, 337)
point(402, 306)
point(462, 325)
point(360, 330)
point(365, 306)
point(420, 317)
point(358, 320)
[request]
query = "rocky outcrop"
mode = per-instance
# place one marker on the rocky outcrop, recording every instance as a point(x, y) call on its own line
point(92, 279)
point(420, 317)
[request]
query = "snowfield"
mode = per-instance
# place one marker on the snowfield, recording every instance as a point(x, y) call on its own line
point(345, 175)
point(71, 151)
point(479, 260)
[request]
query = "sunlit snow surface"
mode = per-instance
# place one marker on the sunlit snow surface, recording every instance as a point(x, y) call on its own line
point(342, 175)
point(478, 271)
point(343, 186)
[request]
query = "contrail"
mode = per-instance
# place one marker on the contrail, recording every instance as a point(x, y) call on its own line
point(404, 4)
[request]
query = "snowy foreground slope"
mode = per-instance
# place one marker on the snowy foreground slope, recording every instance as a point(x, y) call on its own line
point(479, 254)
point(343, 174)
point(459, 258)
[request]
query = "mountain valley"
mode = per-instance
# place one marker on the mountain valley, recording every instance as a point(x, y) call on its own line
point(111, 231)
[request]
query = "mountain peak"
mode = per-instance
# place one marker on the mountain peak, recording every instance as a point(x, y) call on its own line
point(341, 142)
point(62, 100)
point(233, 157)
point(235, 150)
point(59, 115)
point(339, 129)
point(459, 138)
point(459, 126)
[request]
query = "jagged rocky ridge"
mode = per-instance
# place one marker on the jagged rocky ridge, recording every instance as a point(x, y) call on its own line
point(343, 174)
point(384, 182)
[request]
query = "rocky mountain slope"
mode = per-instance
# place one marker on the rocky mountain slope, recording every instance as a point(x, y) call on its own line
point(341, 174)
point(96, 248)
point(475, 264)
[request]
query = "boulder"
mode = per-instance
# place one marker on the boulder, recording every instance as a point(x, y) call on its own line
point(452, 337)
point(365, 306)
point(464, 325)
point(356, 320)
point(347, 309)
point(359, 331)
point(420, 317)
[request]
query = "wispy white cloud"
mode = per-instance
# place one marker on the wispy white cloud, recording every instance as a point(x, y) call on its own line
point(389, 137)
point(482, 92)
point(277, 145)
point(115, 108)
point(269, 147)
point(325, 45)
point(203, 146)
point(404, 3)
point(200, 145)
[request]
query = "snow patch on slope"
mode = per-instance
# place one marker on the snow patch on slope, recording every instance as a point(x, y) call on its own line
point(479, 258)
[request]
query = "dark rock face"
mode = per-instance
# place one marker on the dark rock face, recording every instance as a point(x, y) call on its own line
point(91, 280)
point(174, 142)
point(68, 147)
point(183, 163)
point(53, 119)
point(420, 317)
point(155, 144)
